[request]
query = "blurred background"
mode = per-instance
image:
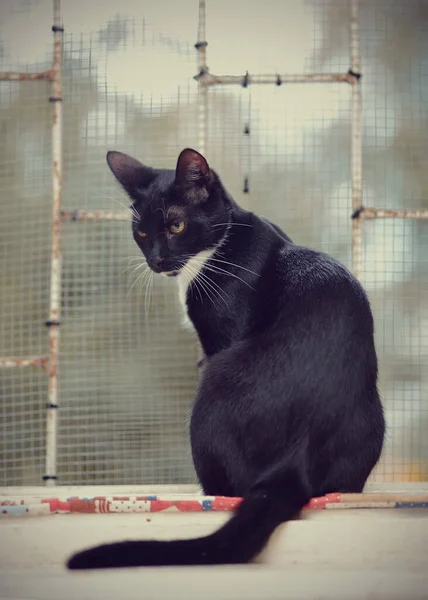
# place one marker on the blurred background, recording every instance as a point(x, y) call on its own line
point(128, 371)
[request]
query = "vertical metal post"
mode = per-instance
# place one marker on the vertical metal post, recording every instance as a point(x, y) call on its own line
point(201, 46)
point(55, 282)
point(356, 140)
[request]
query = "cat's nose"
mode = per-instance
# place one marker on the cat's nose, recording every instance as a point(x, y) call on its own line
point(157, 264)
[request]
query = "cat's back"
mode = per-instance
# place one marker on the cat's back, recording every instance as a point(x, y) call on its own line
point(303, 271)
point(314, 287)
point(300, 270)
point(303, 267)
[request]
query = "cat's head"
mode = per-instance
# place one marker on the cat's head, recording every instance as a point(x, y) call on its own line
point(176, 214)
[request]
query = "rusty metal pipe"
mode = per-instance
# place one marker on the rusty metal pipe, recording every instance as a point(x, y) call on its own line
point(95, 215)
point(202, 78)
point(376, 213)
point(9, 363)
point(356, 141)
point(55, 281)
point(15, 76)
point(208, 79)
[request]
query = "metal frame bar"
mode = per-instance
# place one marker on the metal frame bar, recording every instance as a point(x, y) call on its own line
point(208, 79)
point(15, 76)
point(55, 284)
point(201, 47)
point(356, 140)
point(379, 213)
point(95, 215)
point(37, 361)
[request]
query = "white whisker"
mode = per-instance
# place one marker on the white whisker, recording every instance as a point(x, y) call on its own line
point(120, 192)
point(192, 279)
point(217, 269)
point(133, 257)
point(134, 263)
point(134, 266)
point(131, 209)
point(232, 225)
point(196, 284)
point(140, 278)
point(212, 285)
point(202, 284)
point(226, 262)
point(148, 294)
point(140, 260)
point(135, 272)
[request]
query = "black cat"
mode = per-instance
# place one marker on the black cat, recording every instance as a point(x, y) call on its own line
point(287, 407)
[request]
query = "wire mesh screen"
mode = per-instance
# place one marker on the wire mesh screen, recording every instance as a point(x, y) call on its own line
point(127, 369)
point(25, 216)
point(395, 274)
point(395, 50)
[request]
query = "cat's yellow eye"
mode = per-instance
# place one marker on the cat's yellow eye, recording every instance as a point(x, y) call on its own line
point(142, 234)
point(177, 227)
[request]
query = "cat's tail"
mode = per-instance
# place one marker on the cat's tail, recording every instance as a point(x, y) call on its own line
point(237, 541)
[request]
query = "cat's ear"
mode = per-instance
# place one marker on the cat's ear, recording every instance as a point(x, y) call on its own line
point(193, 175)
point(129, 172)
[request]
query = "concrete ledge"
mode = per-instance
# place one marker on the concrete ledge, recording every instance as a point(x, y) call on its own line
point(380, 553)
point(360, 539)
point(213, 583)
point(335, 554)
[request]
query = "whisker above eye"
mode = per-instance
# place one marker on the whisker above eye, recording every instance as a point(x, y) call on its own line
point(132, 211)
point(162, 211)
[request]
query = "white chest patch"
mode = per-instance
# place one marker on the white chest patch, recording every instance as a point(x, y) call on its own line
point(185, 278)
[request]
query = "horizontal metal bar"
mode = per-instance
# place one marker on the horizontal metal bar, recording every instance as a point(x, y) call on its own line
point(244, 80)
point(123, 215)
point(15, 76)
point(95, 215)
point(375, 213)
point(40, 361)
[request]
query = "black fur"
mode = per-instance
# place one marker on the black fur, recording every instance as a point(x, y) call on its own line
point(288, 407)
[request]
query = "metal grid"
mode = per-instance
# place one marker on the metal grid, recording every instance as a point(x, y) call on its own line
point(125, 381)
point(395, 273)
point(24, 443)
point(318, 220)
